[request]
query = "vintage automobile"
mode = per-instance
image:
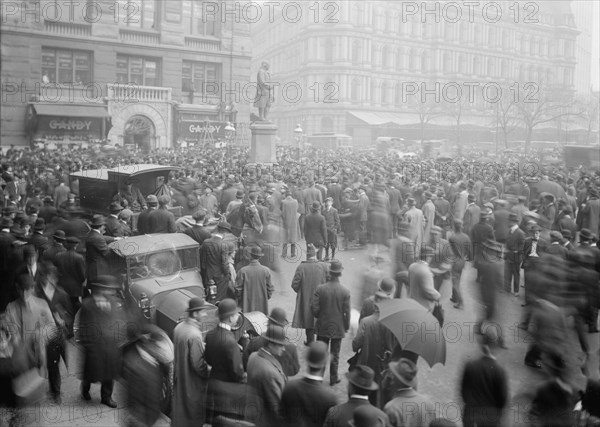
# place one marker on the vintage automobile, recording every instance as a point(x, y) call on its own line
point(97, 187)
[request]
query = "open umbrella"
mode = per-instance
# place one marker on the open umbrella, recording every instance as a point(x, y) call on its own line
point(415, 328)
point(546, 186)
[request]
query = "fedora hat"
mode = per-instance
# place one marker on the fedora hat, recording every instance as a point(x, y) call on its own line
point(256, 251)
point(195, 304)
point(105, 282)
point(405, 371)
point(316, 206)
point(363, 377)
point(411, 201)
point(275, 334)
point(278, 317)
point(98, 220)
point(386, 288)
point(366, 416)
point(227, 308)
point(586, 234)
point(115, 207)
point(72, 240)
point(317, 354)
point(59, 235)
point(567, 234)
point(335, 266)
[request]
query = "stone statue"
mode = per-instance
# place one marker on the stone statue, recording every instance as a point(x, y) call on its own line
point(264, 91)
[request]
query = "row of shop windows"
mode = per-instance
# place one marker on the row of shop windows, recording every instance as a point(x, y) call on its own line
point(76, 67)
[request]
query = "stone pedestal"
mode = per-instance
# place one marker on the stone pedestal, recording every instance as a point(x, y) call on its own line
point(262, 148)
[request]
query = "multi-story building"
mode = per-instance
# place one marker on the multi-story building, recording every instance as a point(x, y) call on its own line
point(584, 19)
point(145, 72)
point(354, 67)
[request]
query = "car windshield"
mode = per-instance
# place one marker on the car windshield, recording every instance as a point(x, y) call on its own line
point(165, 263)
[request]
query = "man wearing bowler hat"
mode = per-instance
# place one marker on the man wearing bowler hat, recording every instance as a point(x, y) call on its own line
point(143, 222)
point(533, 248)
point(191, 371)
point(101, 316)
point(266, 378)
point(331, 308)
point(306, 401)
point(71, 271)
point(113, 225)
point(55, 247)
point(96, 248)
point(514, 255)
point(315, 228)
point(254, 285)
point(361, 384)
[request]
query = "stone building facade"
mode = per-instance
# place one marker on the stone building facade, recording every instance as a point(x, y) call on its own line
point(140, 67)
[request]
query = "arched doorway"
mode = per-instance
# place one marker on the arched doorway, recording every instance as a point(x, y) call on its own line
point(140, 132)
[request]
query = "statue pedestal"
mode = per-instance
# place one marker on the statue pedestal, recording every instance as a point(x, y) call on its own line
point(262, 148)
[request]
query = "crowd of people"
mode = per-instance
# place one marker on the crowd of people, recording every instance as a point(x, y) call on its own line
point(426, 219)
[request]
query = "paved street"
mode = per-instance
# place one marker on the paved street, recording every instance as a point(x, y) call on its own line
point(440, 382)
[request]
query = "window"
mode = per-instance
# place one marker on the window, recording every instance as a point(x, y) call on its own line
point(462, 64)
point(476, 65)
point(195, 22)
point(197, 76)
point(137, 70)
point(447, 63)
point(137, 13)
point(492, 37)
point(356, 90)
point(412, 65)
point(328, 50)
point(356, 52)
point(66, 66)
point(374, 92)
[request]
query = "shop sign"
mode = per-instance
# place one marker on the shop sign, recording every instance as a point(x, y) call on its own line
point(63, 124)
point(201, 130)
point(69, 125)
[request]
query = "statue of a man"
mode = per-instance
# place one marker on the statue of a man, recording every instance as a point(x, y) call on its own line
point(264, 89)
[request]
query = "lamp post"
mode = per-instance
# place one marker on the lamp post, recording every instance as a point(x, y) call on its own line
point(229, 133)
point(298, 137)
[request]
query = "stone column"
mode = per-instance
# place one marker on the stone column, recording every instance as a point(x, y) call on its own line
point(262, 148)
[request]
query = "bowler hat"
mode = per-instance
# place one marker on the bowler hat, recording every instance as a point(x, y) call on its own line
point(593, 192)
point(40, 224)
point(317, 354)
point(278, 316)
point(555, 236)
point(584, 235)
point(366, 416)
point(227, 308)
point(566, 234)
point(275, 334)
point(471, 197)
point(316, 206)
point(405, 371)
point(239, 194)
point(335, 267)
point(98, 220)
point(462, 186)
point(72, 240)
point(427, 195)
point(152, 199)
point(256, 251)
point(59, 235)
point(115, 207)
point(363, 377)
point(195, 304)
point(513, 217)
point(104, 281)
point(386, 287)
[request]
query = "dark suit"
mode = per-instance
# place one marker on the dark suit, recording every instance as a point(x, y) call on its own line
point(162, 221)
point(484, 389)
point(556, 249)
point(315, 231)
point(305, 403)
point(288, 359)
point(501, 224)
point(214, 265)
point(40, 242)
point(531, 267)
point(339, 415)
point(47, 212)
point(143, 222)
point(513, 259)
point(71, 273)
point(480, 232)
point(114, 227)
point(96, 253)
point(331, 307)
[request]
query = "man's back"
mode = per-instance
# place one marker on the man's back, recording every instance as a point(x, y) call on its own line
point(410, 409)
point(305, 402)
point(484, 384)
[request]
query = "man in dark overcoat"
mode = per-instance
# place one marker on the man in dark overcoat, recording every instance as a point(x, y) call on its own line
point(331, 308)
point(254, 285)
point(143, 222)
point(514, 255)
point(481, 232)
point(291, 228)
point(460, 244)
point(214, 264)
point(71, 271)
point(309, 275)
point(315, 228)
point(533, 248)
point(191, 371)
point(161, 220)
point(332, 222)
point(197, 231)
point(114, 226)
point(96, 249)
point(101, 316)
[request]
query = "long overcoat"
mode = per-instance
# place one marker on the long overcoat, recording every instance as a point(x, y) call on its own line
point(308, 276)
point(190, 377)
point(289, 216)
point(416, 222)
point(331, 307)
point(267, 380)
point(254, 287)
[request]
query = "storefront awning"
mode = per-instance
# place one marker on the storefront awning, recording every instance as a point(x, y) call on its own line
point(71, 110)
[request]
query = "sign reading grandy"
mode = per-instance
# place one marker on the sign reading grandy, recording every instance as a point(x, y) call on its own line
point(64, 124)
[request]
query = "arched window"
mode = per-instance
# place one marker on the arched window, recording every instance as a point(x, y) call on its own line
point(386, 93)
point(328, 50)
point(447, 63)
point(326, 124)
point(357, 52)
point(462, 64)
point(412, 60)
point(504, 68)
point(356, 91)
point(491, 67)
point(374, 92)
